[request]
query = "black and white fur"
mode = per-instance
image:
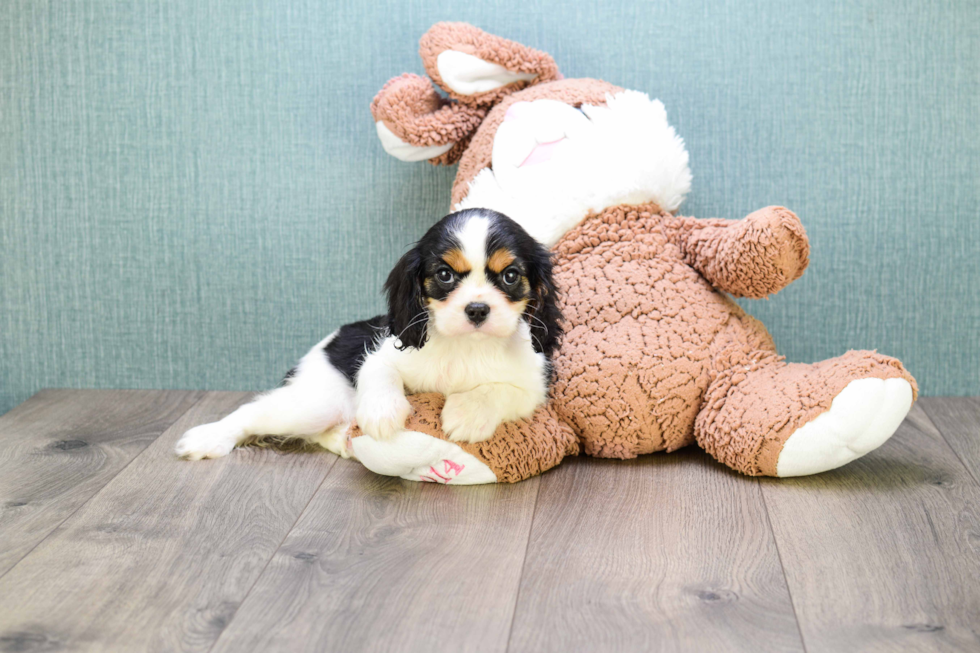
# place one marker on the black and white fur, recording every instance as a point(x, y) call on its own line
point(472, 314)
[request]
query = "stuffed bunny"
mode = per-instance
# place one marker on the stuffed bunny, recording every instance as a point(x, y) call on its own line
point(656, 355)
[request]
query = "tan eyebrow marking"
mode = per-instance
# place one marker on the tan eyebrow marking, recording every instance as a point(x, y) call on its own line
point(500, 259)
point(457, 261)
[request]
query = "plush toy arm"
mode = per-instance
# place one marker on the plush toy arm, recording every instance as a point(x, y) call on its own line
point(753, 257)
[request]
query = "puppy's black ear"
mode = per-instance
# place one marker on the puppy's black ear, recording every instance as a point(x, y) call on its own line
point(544, 316)
point(407, 315)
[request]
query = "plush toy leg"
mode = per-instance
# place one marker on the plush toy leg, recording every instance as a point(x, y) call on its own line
point(517, 450)
point(416, 456)
point(772, 419)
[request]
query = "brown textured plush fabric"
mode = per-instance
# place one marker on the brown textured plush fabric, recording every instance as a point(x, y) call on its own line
point(649, 338)
point(465, 38)
point(646, 332)
point(655, 358)
point(755, 257)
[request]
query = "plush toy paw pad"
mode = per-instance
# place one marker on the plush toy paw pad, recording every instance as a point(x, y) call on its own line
point(207, 441)
point(861, 418)
point(416, 456)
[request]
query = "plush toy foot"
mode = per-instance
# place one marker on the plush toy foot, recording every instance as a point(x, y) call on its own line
point(861, 418)
point(415, 456)
point(422, 452)
point(767, 418)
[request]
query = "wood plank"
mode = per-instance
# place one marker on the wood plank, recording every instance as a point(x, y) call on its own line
point(958, 419)
point(161, 558)
point(381, 564)
point(666, 552)
point(60, 447)
point(883, 554)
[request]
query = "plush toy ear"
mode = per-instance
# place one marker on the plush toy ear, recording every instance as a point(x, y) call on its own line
point(415, 124)
point(479, 69)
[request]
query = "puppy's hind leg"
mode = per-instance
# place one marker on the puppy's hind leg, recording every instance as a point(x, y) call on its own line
point(315, 403)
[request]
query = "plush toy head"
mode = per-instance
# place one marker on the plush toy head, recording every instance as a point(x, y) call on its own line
point(543, 150)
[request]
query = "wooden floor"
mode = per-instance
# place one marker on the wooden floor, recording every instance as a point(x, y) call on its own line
point(108, 543)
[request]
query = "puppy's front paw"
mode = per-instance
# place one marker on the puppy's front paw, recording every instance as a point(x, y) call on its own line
point(207, 441)
point(466, 418)
point(383, 417)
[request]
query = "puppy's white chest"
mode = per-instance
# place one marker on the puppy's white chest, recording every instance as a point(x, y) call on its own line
point(457, 369)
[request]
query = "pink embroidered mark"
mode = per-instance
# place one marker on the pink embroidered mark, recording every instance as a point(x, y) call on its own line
point(542, 152)
point(450, 470)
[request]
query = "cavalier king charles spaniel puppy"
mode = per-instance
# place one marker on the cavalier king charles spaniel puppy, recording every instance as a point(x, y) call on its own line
point(472, 314)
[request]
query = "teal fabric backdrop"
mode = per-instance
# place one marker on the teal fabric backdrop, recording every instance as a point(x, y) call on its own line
point(191, 191)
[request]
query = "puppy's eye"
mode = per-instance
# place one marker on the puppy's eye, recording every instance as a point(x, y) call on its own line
point(510, 276)
point(445, 276)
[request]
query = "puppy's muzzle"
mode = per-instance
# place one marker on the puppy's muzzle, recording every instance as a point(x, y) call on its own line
point(477, 312)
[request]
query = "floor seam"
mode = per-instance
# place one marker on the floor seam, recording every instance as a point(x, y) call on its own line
point(105, 485)
point(299, 516)
point(527, 546)
point(949, 445)
point(782, 566)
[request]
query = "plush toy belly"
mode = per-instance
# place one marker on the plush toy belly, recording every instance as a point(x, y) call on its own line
point(644, 335)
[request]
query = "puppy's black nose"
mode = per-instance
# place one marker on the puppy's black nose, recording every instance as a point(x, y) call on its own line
point(477, 312)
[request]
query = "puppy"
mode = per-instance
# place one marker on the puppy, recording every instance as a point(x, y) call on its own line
point(472, 314)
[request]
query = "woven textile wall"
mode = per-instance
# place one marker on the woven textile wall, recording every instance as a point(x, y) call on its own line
point(192, 194)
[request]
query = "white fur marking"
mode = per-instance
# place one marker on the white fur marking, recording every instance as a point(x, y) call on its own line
point(473, 241)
